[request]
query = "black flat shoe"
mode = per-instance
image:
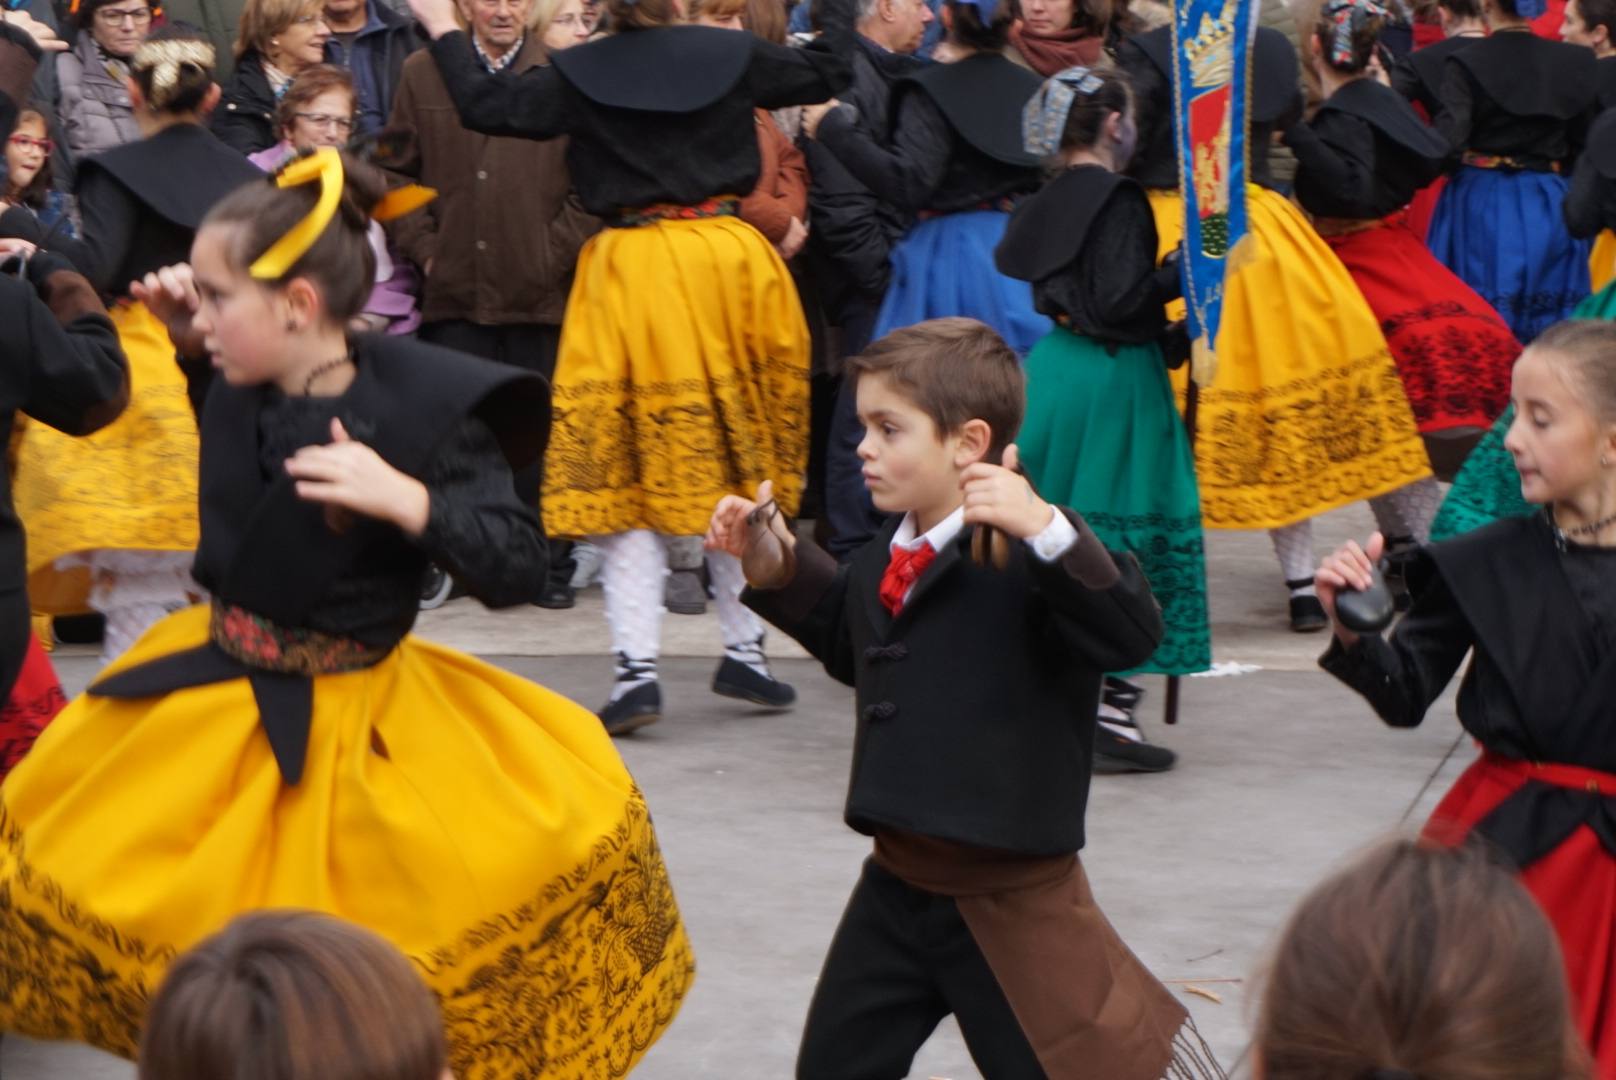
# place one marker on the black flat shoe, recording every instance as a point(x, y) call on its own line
point(558, 597)
point(734, 679)
point(1115, 753)
point(1307, 615)
point(638, 708)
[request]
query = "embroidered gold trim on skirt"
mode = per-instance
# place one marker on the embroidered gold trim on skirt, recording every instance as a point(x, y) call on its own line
point(1306, 412)
point(129, 487)
point(483, 824)
point(682, 377)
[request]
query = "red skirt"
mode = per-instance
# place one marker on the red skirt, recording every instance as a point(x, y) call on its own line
point(1575, 884)
point(1453, 351)
point(1423, 205)
point(35, 699)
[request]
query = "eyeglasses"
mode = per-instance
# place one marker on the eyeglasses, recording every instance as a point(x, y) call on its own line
point(316, 19)
point(45, 146)
point(321, 120)
point(140, 16)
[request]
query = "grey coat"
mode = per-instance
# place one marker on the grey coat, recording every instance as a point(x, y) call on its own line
point(95, 111)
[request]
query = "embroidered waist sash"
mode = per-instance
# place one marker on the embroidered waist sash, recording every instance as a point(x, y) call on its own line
point(717, 206)
point(1508, 162)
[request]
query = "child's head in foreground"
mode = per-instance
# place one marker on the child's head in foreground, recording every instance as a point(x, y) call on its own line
point(934, 399)
point(1563, 439)
point(1418, 962)
point(284, 995)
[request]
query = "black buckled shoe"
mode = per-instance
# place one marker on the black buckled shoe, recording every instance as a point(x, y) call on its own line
point(1117, 753)
point(1307, 613)
point(638, 708)
point(733, 679)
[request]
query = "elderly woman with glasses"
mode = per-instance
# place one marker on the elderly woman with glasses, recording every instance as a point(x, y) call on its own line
point(318, 109)
point(275, 42)
point(95, 110)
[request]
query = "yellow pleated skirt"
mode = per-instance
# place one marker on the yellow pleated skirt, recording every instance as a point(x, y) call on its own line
point(129, 487)
point(1602, 260)
point(1306, 411)
point(682, 377)
point(483, 824)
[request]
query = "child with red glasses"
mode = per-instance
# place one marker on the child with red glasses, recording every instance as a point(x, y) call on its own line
point(28, 177)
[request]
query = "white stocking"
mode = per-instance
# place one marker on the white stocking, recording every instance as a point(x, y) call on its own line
point(1293, 544)
point(1407, 512)
point(633, 570)
point(741, 628)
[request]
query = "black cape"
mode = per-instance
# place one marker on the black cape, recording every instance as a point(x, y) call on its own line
point(982, 98)
point(409, 396)
point(1508, 580)
point(178, 174)
point(1048, 230)
point(630, 70)
point(1390, 114)
point(1531, 76)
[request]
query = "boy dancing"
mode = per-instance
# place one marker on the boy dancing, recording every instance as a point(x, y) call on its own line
point(977, 681)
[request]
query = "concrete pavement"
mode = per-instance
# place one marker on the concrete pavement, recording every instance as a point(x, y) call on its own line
point(1283, 774)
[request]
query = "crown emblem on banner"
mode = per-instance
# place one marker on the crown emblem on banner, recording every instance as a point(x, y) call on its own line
point(1211, 50)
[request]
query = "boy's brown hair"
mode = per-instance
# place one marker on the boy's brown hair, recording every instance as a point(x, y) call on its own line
point(288, 995)
point(953, 370)
point(1422, 960)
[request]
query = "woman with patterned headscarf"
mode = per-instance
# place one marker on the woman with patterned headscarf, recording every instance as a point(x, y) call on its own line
point(1102, 433)
point(1362, 158)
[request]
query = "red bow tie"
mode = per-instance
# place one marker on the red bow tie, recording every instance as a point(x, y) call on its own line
point(902, 572)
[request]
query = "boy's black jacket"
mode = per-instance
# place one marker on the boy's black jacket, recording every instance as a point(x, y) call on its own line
point(976, 704)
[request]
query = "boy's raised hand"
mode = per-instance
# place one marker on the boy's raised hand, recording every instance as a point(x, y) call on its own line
point(999, 496)
point(754, 531)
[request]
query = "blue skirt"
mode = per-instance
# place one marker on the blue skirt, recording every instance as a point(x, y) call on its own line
point(944, 266)
point(1502, 233)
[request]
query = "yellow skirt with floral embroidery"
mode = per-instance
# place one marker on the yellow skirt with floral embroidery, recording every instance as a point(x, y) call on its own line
point(129, 487)
point(682, 377)
point(1306, 412)
point(483, 824)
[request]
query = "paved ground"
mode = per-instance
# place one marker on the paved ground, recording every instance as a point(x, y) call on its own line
point(1283, 774)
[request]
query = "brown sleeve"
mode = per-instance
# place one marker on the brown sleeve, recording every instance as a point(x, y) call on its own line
point(70, 296)
point(793, 182)
point(415, 235)
point(763, 209)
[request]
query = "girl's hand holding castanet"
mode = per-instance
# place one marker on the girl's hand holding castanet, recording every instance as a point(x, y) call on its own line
point(1350, 567)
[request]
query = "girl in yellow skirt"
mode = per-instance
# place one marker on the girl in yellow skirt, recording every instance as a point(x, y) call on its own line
point(111, 518)
point(1306, 411)
point(683, 369)
point(291, 745)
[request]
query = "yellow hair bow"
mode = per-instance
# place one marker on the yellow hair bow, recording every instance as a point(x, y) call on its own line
point(324, 165)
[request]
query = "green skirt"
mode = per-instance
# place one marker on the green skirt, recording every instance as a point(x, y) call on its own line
point(1103, 436)
point(1488, 487)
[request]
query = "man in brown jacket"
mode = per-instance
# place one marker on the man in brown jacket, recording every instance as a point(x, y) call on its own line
point(498, 246)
